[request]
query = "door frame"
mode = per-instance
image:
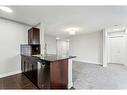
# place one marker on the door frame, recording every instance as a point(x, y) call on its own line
point(105, 59)
point(105, 48)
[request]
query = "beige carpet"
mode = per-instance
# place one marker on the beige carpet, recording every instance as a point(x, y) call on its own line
point(91, 76)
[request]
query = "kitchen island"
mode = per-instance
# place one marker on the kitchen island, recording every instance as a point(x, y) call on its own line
point(49, 71)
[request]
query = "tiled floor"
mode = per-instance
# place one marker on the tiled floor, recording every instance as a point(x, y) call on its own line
point(91, 76)
point(18, 81)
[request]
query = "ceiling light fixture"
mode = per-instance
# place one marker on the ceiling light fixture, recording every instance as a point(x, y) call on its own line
point(6, 9)
point(72, 31)
point(72, 28)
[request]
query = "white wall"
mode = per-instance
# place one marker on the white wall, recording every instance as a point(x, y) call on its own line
point(51, 44)
point(87, 47)
point(11, 36)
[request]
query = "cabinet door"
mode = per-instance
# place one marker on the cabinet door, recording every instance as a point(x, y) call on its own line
point(34, 36)
point(33, 70)
point(22, 64)
point(29, 68)
point(26, 66)
point(30, 36)
point(59, 74)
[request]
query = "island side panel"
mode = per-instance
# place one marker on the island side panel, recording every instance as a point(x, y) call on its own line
point(70, 82)
point(59, 74)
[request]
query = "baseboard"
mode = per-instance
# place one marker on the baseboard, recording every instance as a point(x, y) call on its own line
point(9, 74)
point(85, 61)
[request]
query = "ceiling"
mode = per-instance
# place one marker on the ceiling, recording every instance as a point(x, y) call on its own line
point(57, 19)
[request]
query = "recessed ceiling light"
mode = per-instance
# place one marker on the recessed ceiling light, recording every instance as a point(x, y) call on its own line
point(6, 9)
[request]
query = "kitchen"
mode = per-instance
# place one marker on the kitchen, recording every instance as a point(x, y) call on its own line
point(46, 71)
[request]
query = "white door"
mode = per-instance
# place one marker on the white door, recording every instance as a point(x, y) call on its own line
point(62, 47)
point(116, 47)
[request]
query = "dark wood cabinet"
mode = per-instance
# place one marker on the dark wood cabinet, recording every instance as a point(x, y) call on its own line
point(59, 74)
point(53, 75)
point(28, 64)
point(46, 74)
point(34, 36)
point(29, 68)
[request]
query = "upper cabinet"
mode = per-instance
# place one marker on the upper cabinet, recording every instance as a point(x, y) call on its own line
point(34, 36)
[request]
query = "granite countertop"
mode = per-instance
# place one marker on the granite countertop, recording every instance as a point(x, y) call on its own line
point(53, 57)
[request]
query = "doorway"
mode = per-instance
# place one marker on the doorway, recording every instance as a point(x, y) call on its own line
point(114, 47)
point(116, 50)
point(62, 48)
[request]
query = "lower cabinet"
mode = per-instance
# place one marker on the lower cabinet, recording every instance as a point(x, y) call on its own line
point(29, 68)
point(59, 74)
point(46, 74)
